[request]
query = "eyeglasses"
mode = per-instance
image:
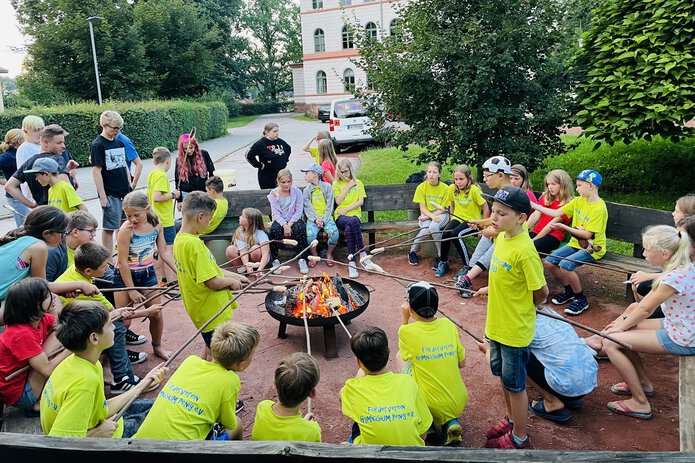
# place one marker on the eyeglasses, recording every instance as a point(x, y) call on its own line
point(346, 171)
point(63, 233)
point(117, 128)
point(92, 231)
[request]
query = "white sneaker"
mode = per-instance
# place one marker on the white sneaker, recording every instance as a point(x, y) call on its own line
point(276, 264)
point(303, 267)
point(352, 271)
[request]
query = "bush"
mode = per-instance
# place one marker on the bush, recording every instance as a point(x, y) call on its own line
point(645, 167)
point(148, 123)
point(251, 109)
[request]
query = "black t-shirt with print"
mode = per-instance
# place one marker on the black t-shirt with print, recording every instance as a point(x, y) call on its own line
point(40, 193)
point(110, 155)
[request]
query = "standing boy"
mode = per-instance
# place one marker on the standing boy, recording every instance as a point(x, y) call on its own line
point(430, 350)
point(588, 243)
point(60, 193)
point(296, 377)
point(517, 286)
point(387, 408)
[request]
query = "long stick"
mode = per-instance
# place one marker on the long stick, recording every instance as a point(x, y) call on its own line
point(410, 242)
point(378, 243)
point(592, 264)
point(171, 286)
point(133, 288)
point(331, 304)
point(306, 332)
point(547, 312)
point(13, 210)
point(442, 208)
point(205, 325)
point(285, 241)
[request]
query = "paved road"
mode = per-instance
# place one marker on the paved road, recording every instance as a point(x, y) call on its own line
point(227, 153)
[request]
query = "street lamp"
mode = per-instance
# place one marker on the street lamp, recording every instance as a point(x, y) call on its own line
point(2, 103)
point(91, 20)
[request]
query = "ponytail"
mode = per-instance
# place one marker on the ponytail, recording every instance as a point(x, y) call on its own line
point(139, 199)
point(667, 238)
point(39, 220)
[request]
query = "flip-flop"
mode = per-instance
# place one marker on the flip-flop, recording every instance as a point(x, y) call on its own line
point(561, 416)
point(312, 263)
point(623, 390)
point(330, 263)
point(620, 408)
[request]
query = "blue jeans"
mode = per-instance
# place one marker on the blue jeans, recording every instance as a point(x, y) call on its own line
point(509, 363)
point(22, 210)
point(331, 229)
point(26, 400)
point(118, 357)
point(135, 415)
point(570, 253)
point(670, 346)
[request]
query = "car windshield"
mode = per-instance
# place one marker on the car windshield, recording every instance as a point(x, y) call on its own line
point(350, 108)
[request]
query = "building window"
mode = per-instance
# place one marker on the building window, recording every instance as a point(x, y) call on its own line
point(345, 2)
point(349, 80)
point(370, 85)
point(371, 31)
point(348, 41)
point(395, 29)
point(317, 4)
point(321, 82)
point(319, 40)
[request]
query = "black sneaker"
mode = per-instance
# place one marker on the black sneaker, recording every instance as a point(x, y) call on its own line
point(577, 306)
point(239, 406)
point(127, 383)
point(466, 285)
point(133, 339)
point(136, 357)
point(435, 263)
point(563, 298)
point(412, 258)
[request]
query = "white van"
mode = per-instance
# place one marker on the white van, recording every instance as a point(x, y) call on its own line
point(349, 123)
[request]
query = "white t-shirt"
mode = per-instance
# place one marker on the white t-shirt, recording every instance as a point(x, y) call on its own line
point(679, 309)
point(260, 236)
point(24, 152)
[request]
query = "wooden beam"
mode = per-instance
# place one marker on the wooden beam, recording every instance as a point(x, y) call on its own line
point(686, 403)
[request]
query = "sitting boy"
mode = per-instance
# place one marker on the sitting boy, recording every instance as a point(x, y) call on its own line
point(73, 402)
point(296, 378)
point(200, 393)
point(431, 351)
point(387, 408)
point(215, 188)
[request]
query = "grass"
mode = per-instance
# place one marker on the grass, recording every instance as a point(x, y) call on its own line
point(305, 118)
point(241, 121)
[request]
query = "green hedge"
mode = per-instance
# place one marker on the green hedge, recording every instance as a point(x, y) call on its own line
point(147, 123)
point(237, 109)
point(640, 167)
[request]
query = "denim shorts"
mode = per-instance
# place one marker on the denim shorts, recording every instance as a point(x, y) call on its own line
point(207, 337)
point(142, 277)
point(169, 234)
point(113, 215)
point(571, 253)
point(27, 399)
point(509, 363)
point(670, 346)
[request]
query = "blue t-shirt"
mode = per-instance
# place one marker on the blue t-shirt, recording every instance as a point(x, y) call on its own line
point(13, 268)
point(8, 165)
point(130, 152)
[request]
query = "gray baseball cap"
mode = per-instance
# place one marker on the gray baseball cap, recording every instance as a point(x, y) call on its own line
point(41, 165)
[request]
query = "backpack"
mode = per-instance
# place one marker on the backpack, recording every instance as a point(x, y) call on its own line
point(416, 177)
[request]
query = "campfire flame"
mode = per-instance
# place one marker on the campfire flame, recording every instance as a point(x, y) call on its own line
point(314, 299)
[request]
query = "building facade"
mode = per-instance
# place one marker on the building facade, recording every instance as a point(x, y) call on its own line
point(327, 70)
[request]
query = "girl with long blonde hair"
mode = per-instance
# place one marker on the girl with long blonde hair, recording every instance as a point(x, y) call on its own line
point(251, 242)
point(558, 192)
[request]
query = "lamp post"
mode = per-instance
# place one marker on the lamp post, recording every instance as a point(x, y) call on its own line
point(91, 20)
point(2, 103)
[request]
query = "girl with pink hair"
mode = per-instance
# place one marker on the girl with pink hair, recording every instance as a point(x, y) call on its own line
point(193, 167)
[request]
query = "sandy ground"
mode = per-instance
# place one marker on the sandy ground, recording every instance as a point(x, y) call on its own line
point(593, 427)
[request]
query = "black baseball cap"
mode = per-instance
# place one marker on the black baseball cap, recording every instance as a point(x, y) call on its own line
point(512, 196)
point(423, 299)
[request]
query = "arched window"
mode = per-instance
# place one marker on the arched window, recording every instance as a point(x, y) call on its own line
point(349, 80)
point(317, 4)
point(321, 82)
point(371, 31)
point(319, 40)
point(395, 29)
point(348, 41)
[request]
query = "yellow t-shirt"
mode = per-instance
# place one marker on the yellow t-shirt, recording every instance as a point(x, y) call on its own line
point(63, 196)
point(468, 205)
point(73, 400)
point(389, 409)
point(71, 256)
point(353, 195)
point(197, 395)
point(269, 426)
point(315, 154)
point(424, 193)
point(318, 201)
point(515, 273)
point(71, 274)
point(435, 351)
point(222, 206)
point(195, 265)
point(592, 217)
point(157, 181)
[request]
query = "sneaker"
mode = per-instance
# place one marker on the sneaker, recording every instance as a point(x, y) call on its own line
point(133, 339)
point(452, 432)
point(465, 284)
point(500, 429)
point(442, 269)
point(435, 263)
point(136, 357)
point(577, 306)
point(322, 253)
point(352, 271)
point(276, 264)
point(412, 258)
point(507, 442)
point(126, 383)
point(239, 406)
point(463, 272)
point(563, 298)
point(303, 267)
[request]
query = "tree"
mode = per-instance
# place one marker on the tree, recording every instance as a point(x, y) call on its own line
point(275, 33)
point(635, 69)
point(473, 78)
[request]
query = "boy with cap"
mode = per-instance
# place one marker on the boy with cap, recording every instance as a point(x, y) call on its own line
point(318, 208)
point(517, 286)
point(430, 350)
point(60, 193)
point(588, 243)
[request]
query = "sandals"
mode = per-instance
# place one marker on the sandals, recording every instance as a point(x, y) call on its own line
point(330, 263)
point(624, 390)
point(312, 263)
point(561, 416)
point(619, 407)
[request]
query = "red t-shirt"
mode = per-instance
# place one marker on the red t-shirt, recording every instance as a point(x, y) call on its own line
point(545, 220)
point(328, 167)
point(18, 343)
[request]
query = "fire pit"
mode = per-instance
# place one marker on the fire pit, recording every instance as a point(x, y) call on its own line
point(288, 307)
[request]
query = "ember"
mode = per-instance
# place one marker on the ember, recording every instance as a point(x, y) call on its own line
point(316, 294)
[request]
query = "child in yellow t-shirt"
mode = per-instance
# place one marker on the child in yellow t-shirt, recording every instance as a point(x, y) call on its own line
point(467, 203)
point(588, 243)
point(318, 209)
point(73, 403)
point(387, 408)
point(517, 286)
point(215, 188)
point(60, 194)
point(204, 288)
point(430, 351)
point(296, 377)
point(432, 219)
point(201, 394)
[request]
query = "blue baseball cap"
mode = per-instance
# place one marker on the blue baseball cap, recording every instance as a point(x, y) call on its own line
point(313, 167)
point(590, 176)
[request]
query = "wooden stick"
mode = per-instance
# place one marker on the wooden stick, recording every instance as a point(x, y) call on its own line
point(410, 242)
point(469, 333)
point(379, 243)
point(332, 302)
point(547, 312)
point(442, 208)
point(592, 264)
point(285, 241)
point(306, 331)
point(171, 286)
point(19, 371)
point(133, 288)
